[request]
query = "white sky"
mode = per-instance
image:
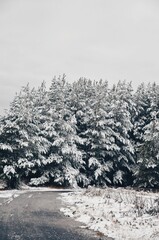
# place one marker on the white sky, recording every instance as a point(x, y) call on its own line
point(108, 39)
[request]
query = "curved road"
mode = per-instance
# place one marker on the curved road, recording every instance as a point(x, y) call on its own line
point(36, 216)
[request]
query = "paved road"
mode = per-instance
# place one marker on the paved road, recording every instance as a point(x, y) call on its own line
point(36, 216)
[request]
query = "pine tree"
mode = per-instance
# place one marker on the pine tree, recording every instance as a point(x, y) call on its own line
point(146, 134)
point(64, 160)
point(21, 133)
point(81, 133)
point(147, 172)
point(121, 107)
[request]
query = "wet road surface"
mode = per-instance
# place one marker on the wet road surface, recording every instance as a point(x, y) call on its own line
point(36, 216)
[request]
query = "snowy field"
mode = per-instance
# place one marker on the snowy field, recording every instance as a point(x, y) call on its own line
point(117, 213)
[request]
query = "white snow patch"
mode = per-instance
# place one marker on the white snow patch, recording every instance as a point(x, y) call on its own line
point(2, 185)
point(117, 213)
point(46, 189)
point(9, 195)
point(30, 195)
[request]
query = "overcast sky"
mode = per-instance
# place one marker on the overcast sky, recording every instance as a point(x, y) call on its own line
point(108, 39)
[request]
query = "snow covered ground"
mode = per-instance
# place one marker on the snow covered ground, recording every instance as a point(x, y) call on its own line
point(8, 195)
point(117, 213)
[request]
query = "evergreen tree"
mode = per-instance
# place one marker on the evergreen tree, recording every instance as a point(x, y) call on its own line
point(147, 147)
point(67, 159)
point(81, 133)
point(121, 107)
point(147, 172)
point(21, 133)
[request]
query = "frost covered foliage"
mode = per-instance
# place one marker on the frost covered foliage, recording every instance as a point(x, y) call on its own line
point(147, 174)
point(104, 122)
point(81, 134)
point(116, 213)
point(146, 132)
point(21, 141)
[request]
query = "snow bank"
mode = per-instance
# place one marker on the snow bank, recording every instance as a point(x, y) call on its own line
point(117, 213)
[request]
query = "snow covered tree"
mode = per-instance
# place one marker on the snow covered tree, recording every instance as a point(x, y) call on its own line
point(146, 100)
point(14, 135)
point(64, 160)
point(96, 134)
point(81, 133)
point(121, 107)
point(147, 104)
point(21, 133)
point(8, 150)
point(147, 172)
point(104, 122)
point(84, 102)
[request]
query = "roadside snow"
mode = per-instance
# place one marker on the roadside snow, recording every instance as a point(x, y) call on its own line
point(2, 185)
point(45, 189)
point(9, 195)
point(117, 213)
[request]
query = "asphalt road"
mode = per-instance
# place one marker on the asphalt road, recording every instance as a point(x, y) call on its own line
point(36, 216)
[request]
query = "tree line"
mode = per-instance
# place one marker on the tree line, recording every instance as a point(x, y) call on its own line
point(82, 133)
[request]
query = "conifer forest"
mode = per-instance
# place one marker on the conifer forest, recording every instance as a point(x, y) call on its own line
point(80, 134)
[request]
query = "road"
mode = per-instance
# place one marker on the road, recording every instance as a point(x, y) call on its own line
point(36, 216)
